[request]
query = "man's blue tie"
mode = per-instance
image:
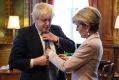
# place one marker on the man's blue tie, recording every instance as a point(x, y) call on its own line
point(47, 45)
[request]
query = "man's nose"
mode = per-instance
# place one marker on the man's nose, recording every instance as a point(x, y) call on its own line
point(47, 22)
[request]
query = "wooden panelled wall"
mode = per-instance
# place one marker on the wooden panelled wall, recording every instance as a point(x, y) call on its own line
point(106, 8)
point(4, 54)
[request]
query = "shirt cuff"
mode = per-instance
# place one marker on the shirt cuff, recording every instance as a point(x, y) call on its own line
point(31, 63)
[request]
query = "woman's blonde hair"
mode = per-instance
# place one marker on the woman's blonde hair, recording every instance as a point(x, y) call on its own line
point(43, 10)
point(88, 16)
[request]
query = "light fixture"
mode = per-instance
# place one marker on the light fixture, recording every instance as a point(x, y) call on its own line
point(13, 23)
point(116, 32)
point(117, 22)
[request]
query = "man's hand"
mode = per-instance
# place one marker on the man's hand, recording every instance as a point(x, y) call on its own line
point(42, 60)
point(50, 36)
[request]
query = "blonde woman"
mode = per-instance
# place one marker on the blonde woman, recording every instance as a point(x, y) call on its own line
point(84, 63)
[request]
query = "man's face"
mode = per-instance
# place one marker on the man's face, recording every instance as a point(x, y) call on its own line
point(43, 24)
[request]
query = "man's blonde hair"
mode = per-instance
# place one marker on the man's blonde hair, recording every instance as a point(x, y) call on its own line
point(42, 10)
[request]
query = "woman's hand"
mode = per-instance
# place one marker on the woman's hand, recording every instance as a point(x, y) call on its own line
point(48, 51)
point(63, 56)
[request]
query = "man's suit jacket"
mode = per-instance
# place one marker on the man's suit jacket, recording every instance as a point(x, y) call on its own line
point(27, 45)
point(84, 62)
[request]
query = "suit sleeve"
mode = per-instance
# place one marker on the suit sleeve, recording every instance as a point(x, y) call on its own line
point(80, 57)
point(65, 44)
point(17, 59)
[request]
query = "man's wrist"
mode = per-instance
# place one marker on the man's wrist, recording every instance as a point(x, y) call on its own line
point(57, 41)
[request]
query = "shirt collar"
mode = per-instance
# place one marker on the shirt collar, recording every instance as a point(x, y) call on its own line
point(39, 32)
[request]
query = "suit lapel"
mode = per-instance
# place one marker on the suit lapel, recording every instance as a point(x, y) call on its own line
point(36, 38)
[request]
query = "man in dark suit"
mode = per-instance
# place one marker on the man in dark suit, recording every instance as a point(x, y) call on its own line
point(28, 50)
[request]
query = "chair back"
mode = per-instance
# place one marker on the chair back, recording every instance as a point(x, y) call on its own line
point(106, 70)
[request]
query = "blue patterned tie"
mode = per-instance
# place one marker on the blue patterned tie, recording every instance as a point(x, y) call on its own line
point(47, 45)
